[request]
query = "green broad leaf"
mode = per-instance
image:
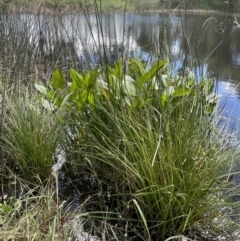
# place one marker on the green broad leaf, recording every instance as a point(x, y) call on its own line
point(163, 99)
point(129, 86)
point(4, 208)
point(191, 83)
point(47, 105)
point(73, 86)
point(77, 80)
point(83, 97)
point(86, 78)
point(57, 80)
point(137, 67)
point(168, 91)
point(75, 95)
point(106, 93)
point(181, 91)
point(101, 83)
point(148, 76)
point(56, 98)
point(67, 99)
point(213, 98)
point(58, 102)
point(42, 89)
point(91, 81)
point(138, 102)
point(128, 100)
point(91, 100)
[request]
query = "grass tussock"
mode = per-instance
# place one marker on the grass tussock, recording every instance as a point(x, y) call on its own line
point(168, 172)
point(30, 136)
point(158, 165)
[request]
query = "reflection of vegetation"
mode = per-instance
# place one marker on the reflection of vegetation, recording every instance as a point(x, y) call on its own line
point(140, 5)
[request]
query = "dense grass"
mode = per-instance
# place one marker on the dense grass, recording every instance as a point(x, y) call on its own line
point(156, 173)
point(30, 136)
point(171, 159)
point(165, 172)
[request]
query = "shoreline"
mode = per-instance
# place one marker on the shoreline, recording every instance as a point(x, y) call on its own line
point(47, 8)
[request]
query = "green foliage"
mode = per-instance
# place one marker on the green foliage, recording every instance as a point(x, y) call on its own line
point(148, 136)
point(167, 171)
point(5, 209)
point(30, 136)
point(129, 83)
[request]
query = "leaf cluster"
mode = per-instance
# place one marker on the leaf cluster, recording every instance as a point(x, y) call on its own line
point(129, 83)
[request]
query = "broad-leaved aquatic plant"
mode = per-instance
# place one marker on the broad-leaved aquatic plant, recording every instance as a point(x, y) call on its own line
point(130, 83)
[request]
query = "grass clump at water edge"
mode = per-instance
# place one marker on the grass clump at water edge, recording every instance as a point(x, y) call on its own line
point(30, 136)
point(168, 174)
point(153, 148)
point(159, 166)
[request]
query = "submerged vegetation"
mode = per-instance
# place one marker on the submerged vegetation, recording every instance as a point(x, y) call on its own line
point(140, 144)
